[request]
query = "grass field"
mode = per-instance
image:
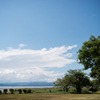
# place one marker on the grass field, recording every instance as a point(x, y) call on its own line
point(49, 94)
point(46, 96)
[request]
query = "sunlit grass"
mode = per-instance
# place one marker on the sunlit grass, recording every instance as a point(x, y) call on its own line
point(46, 96)
point(49, 94)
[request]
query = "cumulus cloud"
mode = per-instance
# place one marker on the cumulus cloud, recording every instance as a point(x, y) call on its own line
point(54, 57)
point(21, 45)
point(28, 75)
point(7, 72)
point(15, 63)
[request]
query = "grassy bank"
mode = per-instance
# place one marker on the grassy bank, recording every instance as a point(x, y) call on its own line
point(46, 96)
point(54, 90)
point(49, 94)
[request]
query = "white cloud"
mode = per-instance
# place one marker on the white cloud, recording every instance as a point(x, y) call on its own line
point(68, 55)
point(27, 64)
point(8, 72)
point(54, 57)
point(28, 75)
point(21, 45)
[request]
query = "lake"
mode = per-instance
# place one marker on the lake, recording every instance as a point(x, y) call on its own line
point(17, 87)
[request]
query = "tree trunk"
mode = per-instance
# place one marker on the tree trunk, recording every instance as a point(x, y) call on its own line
point(78, 89)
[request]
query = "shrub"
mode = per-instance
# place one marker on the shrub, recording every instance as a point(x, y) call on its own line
point(72, 91)
point(60, 90)
point(98, 89)
point(29, 91)
point(24, 90)
point(93, 89)
point(15, 89)
point(11, 91)
point(20, 91)
point(0, 92)
point(50, 91)
point(85, 90)
point(5, 91)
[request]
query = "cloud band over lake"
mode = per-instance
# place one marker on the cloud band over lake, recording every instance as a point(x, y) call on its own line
point(23, 64)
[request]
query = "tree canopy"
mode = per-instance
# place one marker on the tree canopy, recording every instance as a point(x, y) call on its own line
point(78, 79)
point(89, 56)
point(63, 82)
point(75, 78)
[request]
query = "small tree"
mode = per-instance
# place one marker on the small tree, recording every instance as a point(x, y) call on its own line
point(24, 90)
point(20, 91)
point(0, 92)
point(11, 90)
point(29, 91)
point(62, 82)
point(5, 91)
point(50, 91)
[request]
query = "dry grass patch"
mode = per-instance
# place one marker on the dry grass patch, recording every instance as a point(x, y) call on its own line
point(45, 96)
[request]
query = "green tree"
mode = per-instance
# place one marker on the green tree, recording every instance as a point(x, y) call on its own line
point(25, 90)
point(5, 91)
point(11, 90)
point(75, 78)
point(63, 82)
point(94, 84)
point(20, 91)
point(78, 79)
point(89, 56)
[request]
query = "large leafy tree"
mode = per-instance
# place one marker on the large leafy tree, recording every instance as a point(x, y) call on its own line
point(95, 84)
point(75, 78)
point(89, 56)
point(78, 79)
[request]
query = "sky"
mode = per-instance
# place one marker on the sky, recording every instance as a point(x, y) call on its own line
point(39, 39)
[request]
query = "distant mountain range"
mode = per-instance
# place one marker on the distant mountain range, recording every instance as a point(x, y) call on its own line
point(28, 84)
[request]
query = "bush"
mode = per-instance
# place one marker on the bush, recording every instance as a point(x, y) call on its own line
point(93, 89)
point(11, 91)
point(50, 91)
point(29, 91)
point(98, 89)
point(5, 91)
point(60, 90)
point(85, 90)
point(15, 89)
point(20, 91)
point(72, 91)
point(24, 90)
point(0, 92)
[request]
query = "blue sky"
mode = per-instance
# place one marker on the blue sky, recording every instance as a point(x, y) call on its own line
point(39, 38)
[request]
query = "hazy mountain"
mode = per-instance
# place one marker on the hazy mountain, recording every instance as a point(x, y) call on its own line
point(28, 84)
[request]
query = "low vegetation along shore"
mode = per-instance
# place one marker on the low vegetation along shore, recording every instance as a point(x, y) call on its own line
point(54, 93)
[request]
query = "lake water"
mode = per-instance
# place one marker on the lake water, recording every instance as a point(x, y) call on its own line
point(17, 87)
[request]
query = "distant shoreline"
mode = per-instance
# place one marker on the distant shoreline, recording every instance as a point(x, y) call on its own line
point(17, 87)
point(28, 84)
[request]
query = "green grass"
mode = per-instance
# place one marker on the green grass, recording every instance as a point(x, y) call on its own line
point(46, 96)
point(50, 94)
